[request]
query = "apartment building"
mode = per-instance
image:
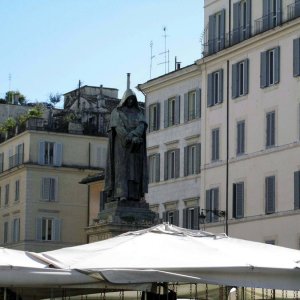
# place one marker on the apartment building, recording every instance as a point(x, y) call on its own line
point(248, 126)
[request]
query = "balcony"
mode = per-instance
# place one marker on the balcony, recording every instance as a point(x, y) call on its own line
point(265, 23)
point(15, 160)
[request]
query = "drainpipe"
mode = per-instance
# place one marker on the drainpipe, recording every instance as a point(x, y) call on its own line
point(227, 147)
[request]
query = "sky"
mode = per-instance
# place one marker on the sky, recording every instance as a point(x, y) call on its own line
point(47, 46)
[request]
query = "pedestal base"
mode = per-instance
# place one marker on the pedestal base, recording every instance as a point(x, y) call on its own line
point(119, 217)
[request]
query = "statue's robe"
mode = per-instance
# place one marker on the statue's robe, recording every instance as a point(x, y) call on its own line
point(126, 172)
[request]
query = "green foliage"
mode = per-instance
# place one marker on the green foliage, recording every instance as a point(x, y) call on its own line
point(36, 112)
point(10, 96)
point(8, 125)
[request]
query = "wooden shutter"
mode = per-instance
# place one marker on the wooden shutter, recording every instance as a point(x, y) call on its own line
point(176, 218)
point(270, 194)
point(297, 190)
point(57, 229)
point(198, 103)
point(196, 217)
point(52, 190)
point(38, 229)
point(186, 107)
point(166, 155)
point(270, 129)
point(46, 188)
point(211, 34)
point(198, 158)
point(210, 101)
point(279, 12)
point(208, 206)
point(240, 200)
point(296, 55)
point(177, 110)
point(216, 203)
point(236, 22)
point(277, 65)
point(266, 13)
point(222, 29)
point(263, 69)
point(235, 81)
point(185, 218)
point(186, 161)
point(166, 113)
point(157, 167)
point(248, 19)
point(57, 161)
point(177, 163)
point(148, 118)
point(41, 158)
point(297, 8)
point(246, 76)
point(157, 116)
point(234, 200)
point(221, 83)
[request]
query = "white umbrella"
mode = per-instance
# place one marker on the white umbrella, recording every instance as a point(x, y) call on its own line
point(166, 253)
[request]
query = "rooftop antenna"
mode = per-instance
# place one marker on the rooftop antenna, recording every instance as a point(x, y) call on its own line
point(79, 87)
point(151, 58)
point(166, 52)
point(9, 81)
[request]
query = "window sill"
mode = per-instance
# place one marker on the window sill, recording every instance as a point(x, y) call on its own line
point(271, 87)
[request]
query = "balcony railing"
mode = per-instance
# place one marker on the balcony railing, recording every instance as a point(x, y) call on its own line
point(15, 160)
point(265, 23)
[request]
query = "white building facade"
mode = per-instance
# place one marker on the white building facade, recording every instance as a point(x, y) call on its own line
point(248, 126)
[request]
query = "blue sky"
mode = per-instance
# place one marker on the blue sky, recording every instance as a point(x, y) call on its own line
point(48, 45)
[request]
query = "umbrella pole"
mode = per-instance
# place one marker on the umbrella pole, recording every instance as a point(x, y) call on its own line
point(4, 294)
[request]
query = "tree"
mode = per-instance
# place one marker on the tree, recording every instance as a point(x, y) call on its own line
point(15, 97)
point(54, 98)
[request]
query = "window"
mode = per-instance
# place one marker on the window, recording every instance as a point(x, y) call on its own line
point(192, 105)
point(270, 67)
point(1, 162)
point(172, 217)
point(154, 168)
point(216, 32)
point(5, 232)
point(215, 144)
point(154, 114)
point(49, 189)
point(270, 194)
point(171, 164)
point(212, 203)
point(16, 230)
point(297, 190)
point(191, 218)
point(238, 200)
point(215, 88)
point(192, 159)
point(240, 143)
point(172, 111)
point(240, 78)
point(241, 21)
point(272, 14)
point(17, 190)
point(6, 199)
point(48, 229)
point(296, 56)
point(50, 153)
point(270, 129)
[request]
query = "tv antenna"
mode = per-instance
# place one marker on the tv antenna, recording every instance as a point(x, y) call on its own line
point(151, 58)
point(166, 52)
point(9, 81)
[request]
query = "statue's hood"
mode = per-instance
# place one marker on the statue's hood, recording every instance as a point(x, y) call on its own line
point(128, 93)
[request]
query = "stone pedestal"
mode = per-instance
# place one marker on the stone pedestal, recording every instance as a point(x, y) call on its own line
point(119, 217)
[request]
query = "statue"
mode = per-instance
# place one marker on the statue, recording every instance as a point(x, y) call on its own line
point(126, 175)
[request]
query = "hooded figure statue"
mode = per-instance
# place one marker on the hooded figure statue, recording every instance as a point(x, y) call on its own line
point(126, 171)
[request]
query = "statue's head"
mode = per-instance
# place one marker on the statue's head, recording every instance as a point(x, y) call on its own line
point(129, 98)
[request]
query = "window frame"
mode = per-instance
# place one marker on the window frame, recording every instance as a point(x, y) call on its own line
point(241, 137)
point(270, 141)
point(215, 144)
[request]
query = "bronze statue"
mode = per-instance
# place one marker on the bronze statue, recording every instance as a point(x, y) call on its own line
point(126, 172)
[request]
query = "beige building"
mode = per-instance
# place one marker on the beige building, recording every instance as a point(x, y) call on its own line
point(249, 126)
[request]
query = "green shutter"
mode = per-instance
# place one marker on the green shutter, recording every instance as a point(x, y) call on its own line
point(222, 29)
point(166, 165)
point(186, 160)
point(157, 167)
point(210, 90)
point(211, 34)
point(297, 190)
point(277, 64)
point(166, 113)
point(186, 107)
point(263, 69)
point(208, 205)
point(270, 194)
point(296, 56)
point(57, 161)
point(185, 218)
point(177, 110)
point(216, 203)
point(221, 83)
point(240, 200)
point(198, 158)
point(176, 217)
point(234, 200)
point(177, 163)
point(158, 116)
point(235, 81)
point(236, 23)
point(198, 103)
point(246, 76)
point(248, 17)
point(266, 13)
point(196, 217)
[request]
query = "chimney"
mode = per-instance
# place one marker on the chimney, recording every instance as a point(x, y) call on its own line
point(128, 81)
